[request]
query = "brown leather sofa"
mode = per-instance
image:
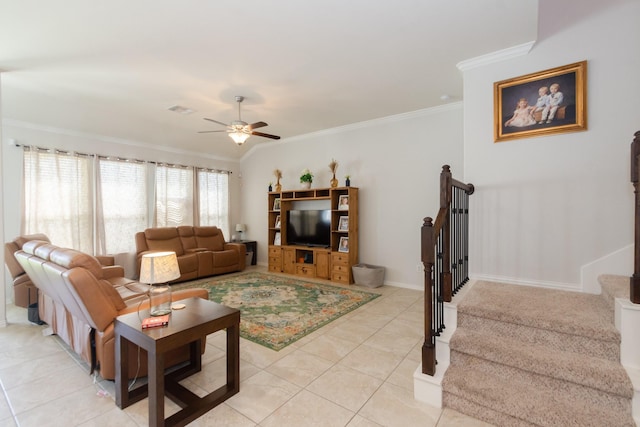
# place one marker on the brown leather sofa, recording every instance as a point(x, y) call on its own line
point(79, 299)
point(201, 251)
point(24, 291)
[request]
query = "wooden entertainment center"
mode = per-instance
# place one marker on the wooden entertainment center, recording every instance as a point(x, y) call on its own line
point(332, 262)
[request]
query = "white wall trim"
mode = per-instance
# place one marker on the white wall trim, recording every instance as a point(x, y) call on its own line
point(575, 287)
point(412, 286)
point(498, 56)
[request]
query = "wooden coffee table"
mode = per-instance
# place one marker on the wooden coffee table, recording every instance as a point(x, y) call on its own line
point(187, 326)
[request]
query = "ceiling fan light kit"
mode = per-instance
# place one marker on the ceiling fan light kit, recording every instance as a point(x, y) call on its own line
point(240, 131)
point(239, 137)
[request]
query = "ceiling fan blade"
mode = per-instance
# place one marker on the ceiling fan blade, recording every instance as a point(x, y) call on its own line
point(215, 121)
point(257, 125)
point(209, 131)
point(266, 135)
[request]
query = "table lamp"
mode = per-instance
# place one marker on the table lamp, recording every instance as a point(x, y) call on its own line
point(241, 228)
point(157, 269)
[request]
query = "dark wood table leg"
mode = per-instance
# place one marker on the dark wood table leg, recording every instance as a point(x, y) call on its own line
point(156, 388)
point(122, 392)
point(233, 358)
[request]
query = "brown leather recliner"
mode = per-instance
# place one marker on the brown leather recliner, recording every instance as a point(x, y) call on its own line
point(24, 291)
point(201, 251)
point(80, 299)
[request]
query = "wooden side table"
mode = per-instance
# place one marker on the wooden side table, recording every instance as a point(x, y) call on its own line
point(251, 245)
point(187, 326)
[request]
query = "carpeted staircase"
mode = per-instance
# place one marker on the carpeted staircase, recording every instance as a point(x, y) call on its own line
point(525, 356)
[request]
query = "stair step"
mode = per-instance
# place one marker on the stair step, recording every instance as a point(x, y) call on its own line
point(591, 345)
point(602, 374)
point(526, 356)
point(570, 313)
point(613, 286)
point(481, 412)
point(502, 394)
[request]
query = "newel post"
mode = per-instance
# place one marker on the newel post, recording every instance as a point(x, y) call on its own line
point(634, 293)
point(428, 260)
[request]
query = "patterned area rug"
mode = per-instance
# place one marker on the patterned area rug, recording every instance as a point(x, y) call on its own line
point(276, 310)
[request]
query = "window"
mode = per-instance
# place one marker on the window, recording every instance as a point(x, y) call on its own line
point(58, 198)
point(122, 198)
point(97, 204)
point(213, 199)
point(174, 196)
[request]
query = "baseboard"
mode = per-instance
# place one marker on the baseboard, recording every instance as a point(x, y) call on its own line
point(574, 287)
point(419, 287)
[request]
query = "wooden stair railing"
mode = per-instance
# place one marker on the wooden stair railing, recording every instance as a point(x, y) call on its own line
point(634, 281)
point(445, 257)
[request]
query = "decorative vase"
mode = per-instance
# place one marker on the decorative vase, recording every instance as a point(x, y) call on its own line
point(347, 182)
point(334, 181)
point(270, 188)
point(305, 184)
point(278, 186)
point(160, 296)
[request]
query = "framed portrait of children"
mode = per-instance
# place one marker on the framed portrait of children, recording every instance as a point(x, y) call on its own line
point(343, 202)
point(344, 244)
point(277, 222)
point(542, 103)
point(276, 204)
point(343, 224)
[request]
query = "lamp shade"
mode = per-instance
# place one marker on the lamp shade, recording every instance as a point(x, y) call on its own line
point(241, 227)
point(159, 267)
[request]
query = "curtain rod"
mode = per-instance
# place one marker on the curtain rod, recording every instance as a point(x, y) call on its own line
point(120, 159)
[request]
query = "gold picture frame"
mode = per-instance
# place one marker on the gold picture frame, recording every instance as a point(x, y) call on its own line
point(543, 103)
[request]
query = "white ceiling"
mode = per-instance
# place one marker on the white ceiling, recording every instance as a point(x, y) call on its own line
point(113, 68)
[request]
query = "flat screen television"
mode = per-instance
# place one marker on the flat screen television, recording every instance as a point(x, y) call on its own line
point(309, 227)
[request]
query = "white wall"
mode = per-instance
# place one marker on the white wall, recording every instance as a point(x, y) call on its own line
point(546, 206)
point(395, 162)
point(3, 280)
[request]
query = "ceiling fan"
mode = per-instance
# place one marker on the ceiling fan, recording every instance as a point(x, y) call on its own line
point(238, 130)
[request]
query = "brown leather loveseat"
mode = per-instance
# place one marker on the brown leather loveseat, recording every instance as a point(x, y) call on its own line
point(201, 251)
point(79, 299)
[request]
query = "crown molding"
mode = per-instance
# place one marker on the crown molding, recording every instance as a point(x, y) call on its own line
point(458, 105)
point(493, 57)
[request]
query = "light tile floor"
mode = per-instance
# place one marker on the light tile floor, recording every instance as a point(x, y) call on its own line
point(356, 371)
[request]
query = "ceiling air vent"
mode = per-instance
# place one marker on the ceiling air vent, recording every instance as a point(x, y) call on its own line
point(180, 109)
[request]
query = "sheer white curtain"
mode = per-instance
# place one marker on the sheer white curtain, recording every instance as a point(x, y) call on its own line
point(58, 197)
point(174, 196)
point(213, 199)
point(122, 204)
point(96, 205)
